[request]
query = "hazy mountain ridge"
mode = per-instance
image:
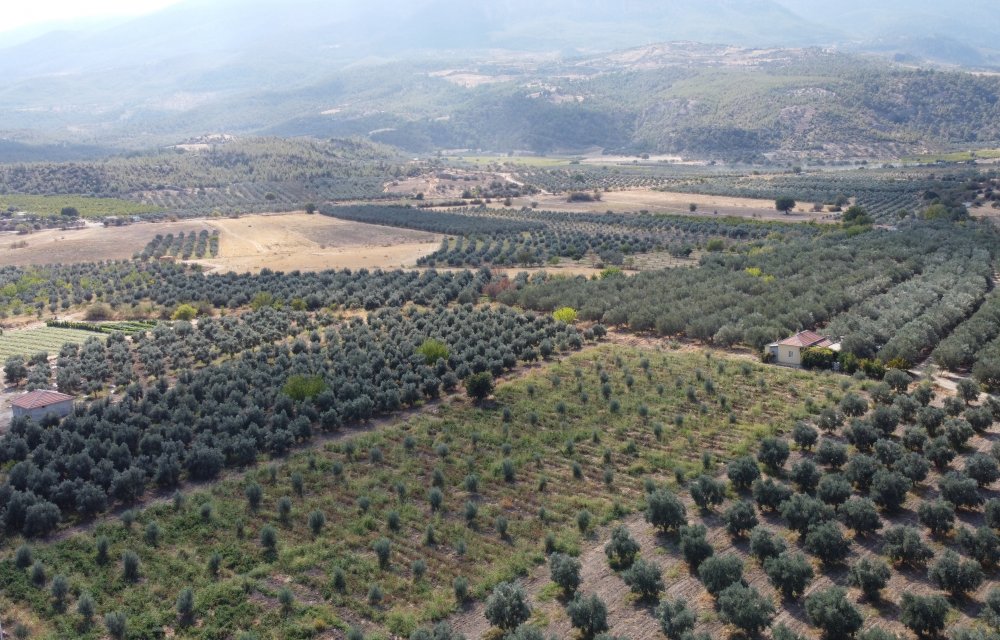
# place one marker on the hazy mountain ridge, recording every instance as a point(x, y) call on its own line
point(543, 76)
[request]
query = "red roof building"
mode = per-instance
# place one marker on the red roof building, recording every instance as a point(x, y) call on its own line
point(39, 403)
point(789, 350)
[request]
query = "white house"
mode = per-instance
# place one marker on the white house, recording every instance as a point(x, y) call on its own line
point(789, 351)
point(40, 403)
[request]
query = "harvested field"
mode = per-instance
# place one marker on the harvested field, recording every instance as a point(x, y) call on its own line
point(281, 242)
point(673, 203)
point(313, 242)
point(88, 244)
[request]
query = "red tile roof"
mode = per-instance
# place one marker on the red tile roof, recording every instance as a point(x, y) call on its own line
point(40, 398)
point(805, 339)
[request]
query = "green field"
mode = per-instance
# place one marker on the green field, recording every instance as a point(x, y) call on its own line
point(48, 339)
point(526, 161)
point(567, 447)
point(88, 207)
point(955, 156)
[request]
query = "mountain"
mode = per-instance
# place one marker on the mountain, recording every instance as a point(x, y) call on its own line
point(509, 74)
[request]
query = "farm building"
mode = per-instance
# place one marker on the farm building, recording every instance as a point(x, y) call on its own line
point(789, 351)
point(38, 404)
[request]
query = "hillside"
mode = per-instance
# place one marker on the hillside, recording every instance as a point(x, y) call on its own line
point(438, 74)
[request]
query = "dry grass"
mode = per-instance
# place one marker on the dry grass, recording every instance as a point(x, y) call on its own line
point(89, 244)
point(667, 202)
point(283, 242)
point(313, 242)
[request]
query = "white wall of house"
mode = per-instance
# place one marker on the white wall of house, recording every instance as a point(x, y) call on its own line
point(61, 409)
point(790, 356)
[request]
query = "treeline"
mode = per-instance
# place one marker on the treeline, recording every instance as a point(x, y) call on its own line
point(229, 414)
point(131, 283)
point(505, 237)
point(253, 171)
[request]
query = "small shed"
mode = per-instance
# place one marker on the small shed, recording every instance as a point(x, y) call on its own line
point(40, 403)
point(789, 351)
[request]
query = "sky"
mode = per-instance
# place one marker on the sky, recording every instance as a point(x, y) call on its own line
point(15, 14)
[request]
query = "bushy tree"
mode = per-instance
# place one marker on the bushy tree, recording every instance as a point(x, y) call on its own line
point(862, 435)
point(831, 611)
point(765, 544)
point(833, 489)
point(565, 572)
point(507, 607)
point(676, 618)
point(968, 390)
point(940, 452)
point(954, 575)
point(790, 573)
point(694, 545)
point(130, 566)
point(982, 468)
point(960, 490)
point(937, 515)
point(117, 624)
point(644, 579)
point(831, 453)
point(991, 512)
point(383, 551)
point(991, 612)
point(806, 475)
point(829, 420)
point(622, 549)
point(826, 542)
point(924, 615)
point(718, 572)
point(853, 405)
point(707, 492)
point(898, 379)
point(773, 452)
point(901, 543)
point(912, 465)
point(479, 386)
point(185, 607)
point(889, 489)
point(802, 512)
point(15, 370)
point(861, 470)
point(871, 576)
point(742, 472)
point(740, 518)
point(769, 494)
point(745, 608)
point(665, 511)
point(983, 544)
point(804, 435)
point(588, 614)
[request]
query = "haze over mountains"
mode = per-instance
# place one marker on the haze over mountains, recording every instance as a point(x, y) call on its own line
point(309, 67)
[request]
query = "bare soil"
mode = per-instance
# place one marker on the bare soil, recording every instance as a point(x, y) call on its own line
point(250, 243)
point(667, 202)
point(285, 242)
point(87, 244)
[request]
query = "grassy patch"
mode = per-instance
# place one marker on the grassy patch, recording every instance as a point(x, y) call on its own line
point(87, 206)
point(955, 156)
point(48, 339)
